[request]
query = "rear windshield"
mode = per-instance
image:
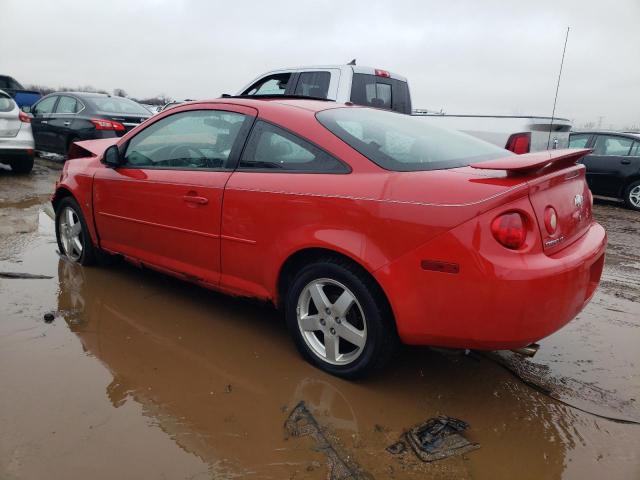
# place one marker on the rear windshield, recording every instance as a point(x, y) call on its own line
point(118, 105)
point(405, 143)
point(380, 92)
point(6, 104)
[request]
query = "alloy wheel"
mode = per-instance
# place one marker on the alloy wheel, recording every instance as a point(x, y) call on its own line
point(634, 196)
point(331, 321)
point(70, 230)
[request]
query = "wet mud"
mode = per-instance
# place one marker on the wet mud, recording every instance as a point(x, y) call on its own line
point(138, 375)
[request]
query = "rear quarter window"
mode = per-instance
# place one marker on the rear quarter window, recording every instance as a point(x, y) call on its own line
point(404, 143)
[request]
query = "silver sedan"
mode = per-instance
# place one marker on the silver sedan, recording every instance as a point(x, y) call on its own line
point(16, 138)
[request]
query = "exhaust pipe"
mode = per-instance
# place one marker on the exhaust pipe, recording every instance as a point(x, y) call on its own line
point(528, 351)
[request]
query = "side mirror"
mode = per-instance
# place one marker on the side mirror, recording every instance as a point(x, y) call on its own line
point(111, 157)
point(26, 108)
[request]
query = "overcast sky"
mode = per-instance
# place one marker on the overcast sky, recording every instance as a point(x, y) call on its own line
point(499, 57)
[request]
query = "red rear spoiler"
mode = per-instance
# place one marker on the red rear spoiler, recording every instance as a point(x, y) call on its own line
point(90, 148)
point(532, 162)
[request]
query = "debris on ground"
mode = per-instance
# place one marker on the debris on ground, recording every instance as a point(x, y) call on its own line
point(49, 317)
point(27, 276)
point(435, 439)
point(301, 423)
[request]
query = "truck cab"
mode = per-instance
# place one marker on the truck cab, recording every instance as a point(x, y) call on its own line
point(374, 87)
point(368, 86)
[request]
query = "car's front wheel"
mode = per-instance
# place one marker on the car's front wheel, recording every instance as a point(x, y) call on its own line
point(339, 318)
point(632, 196)
point(72, 234)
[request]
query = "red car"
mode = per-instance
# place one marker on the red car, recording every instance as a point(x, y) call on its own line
point(365, 226)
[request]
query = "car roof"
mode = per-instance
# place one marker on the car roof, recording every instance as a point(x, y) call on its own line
point(83, 94)
point(274, 101)
point(606, 132)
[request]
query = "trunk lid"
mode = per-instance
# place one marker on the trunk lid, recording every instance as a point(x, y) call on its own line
point(555, 182)
point(9, 120)
point(9, 125)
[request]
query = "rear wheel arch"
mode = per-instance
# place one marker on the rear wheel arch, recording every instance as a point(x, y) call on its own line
point(297, 260)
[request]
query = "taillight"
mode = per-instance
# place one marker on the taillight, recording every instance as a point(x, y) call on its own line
point(509, 230)
point(550, 220)
point(102, 124)
point(382, 73)
point(24, 117)
point(519, 143)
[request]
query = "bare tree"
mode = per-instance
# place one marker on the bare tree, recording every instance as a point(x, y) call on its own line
point(119, 92)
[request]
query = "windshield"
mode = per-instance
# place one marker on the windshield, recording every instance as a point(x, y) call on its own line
point(118, 105)
point(403, 143)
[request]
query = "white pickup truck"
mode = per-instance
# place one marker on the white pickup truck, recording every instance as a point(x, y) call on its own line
point(382, 89)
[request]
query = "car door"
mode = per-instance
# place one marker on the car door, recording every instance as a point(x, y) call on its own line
point(42, 133)
point(162, 206)
point(257, 218)
point(607, 164)
point(61, 123)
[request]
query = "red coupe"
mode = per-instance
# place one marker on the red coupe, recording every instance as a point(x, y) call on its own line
point(365, 226)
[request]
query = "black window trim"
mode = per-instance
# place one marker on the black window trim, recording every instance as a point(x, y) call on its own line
point(55, 103)
point(78, 101)
point(347, 170)
point(597, 135)
point(234, 155)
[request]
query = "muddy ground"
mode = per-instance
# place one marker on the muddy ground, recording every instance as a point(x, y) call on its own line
point(140, 376)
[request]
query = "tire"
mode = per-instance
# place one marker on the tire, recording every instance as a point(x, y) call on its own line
point(632, 196)
point(74, 241)
point(367, 321)
point(22, 166)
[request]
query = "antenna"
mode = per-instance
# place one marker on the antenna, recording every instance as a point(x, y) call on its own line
point(553, 114)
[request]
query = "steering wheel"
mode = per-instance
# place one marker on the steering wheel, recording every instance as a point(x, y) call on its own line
point(183, 151)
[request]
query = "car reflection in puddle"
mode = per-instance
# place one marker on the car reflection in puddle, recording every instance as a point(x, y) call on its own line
point(220, 376)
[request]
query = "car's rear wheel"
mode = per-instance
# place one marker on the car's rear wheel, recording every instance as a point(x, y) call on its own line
point(72, 234)
point(632, 196)
point(23, 165)
point(339, 319)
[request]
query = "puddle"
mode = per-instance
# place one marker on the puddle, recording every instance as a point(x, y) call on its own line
point(143, 376)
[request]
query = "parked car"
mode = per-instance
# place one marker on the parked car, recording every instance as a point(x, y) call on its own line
point(382, 89)
point(174, 104)
point(363, 225)
point(153, 109)
point(613, 167)
point(59, 119)
point(16, 140)
point(22, 97)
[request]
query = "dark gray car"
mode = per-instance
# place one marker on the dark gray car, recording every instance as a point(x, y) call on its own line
point(613, 168)
point(61, 118)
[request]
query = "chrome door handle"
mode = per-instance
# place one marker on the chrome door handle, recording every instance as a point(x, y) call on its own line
point(194, 199)
point(66, 124)
point(44, 121)
point(625, 162)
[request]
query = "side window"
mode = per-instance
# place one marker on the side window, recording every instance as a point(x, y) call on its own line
point(271, 85)
point(187, 140)
point(67, 105)
point(45, 106)
point(635, 150)
point(612, 145)
point(272, 148)
point(578, 141)
point(313, 84)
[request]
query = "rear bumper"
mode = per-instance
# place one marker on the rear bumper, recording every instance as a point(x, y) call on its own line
point(499, 299)
point(13, 155)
